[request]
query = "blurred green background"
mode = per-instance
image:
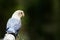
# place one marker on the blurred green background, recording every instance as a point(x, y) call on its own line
point(41, 21)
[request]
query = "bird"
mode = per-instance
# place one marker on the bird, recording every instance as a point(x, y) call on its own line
point(13, 25)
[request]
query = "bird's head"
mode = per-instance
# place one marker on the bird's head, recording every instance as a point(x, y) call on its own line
point(18, 14)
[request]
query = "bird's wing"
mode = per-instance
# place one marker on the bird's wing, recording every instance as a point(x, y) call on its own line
point(13, 23)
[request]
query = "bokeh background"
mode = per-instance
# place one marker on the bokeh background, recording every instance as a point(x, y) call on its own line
point(41, 21)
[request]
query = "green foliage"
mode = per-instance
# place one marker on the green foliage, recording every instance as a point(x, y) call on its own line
point(41, 21)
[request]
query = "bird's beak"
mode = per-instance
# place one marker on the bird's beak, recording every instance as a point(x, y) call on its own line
point(23, 14)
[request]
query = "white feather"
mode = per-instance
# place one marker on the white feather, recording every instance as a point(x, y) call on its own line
point(15, 14)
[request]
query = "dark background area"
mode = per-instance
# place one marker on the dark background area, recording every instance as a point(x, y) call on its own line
point(42, 20)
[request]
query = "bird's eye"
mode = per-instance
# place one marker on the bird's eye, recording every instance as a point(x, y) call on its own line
point(21, 12)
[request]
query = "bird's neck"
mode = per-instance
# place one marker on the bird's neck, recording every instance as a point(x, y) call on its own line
point(16, 17)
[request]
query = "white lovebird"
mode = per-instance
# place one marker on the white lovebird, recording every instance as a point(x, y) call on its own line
point(13, 25)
